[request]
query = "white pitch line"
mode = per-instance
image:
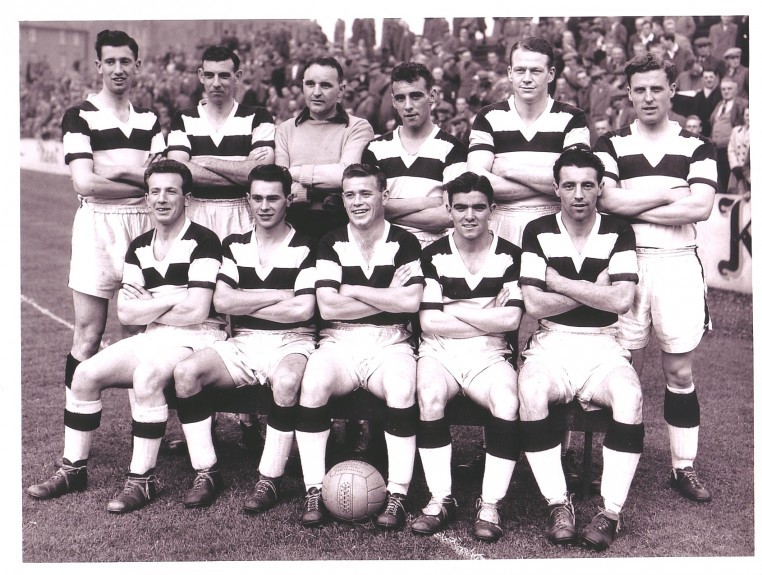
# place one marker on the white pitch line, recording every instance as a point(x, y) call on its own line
point(46, 312)
point(454, 544)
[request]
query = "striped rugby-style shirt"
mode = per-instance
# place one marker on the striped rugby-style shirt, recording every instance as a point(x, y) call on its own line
point(611, 245)
point(192, 262)
point(291, 267)
point(98, 135)
point(680, 158)
point(441, 158)
point(340, 261)
point(246, 128)
point(499, 129)
point(449, 283)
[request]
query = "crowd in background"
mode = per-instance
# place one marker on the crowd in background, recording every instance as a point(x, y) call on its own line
point(469, 65)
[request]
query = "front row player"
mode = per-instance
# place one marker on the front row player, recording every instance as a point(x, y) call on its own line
point(368, 285)
point(578, 271)
point(169, 276)
point(470, 300)
point(267, 285)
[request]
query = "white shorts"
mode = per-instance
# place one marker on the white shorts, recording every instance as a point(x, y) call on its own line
point(464, 358)
point(671, 297)
point(100, 236)
point(509, 221)
point(364, 348)
point(223, 217)
point(251, 357)
point(578, 359)
point(157, 338)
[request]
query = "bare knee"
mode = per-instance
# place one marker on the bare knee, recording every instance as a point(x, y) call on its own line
point(85, 384)
point(533, 398)
point(432, 399)
point(187, 378)
point(504, 402)
point(149, 381)
point(678, 373)
point(87, 339)
point(286, 387)
point(627, 402)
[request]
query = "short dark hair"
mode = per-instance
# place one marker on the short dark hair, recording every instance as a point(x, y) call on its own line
point(170, 167)
point(220, 54)
point(534, 44)
point(272, 173)
point(580, 156)
point(469, 182)
point(412, 71)
point(328, 61)
point(648, 62)
point(365, 171)
point(115, 38)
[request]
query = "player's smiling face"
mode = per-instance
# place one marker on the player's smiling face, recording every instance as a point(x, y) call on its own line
point(268, 203)
point(470, 214)
point(322, 91)
point(220, 80)
point(650, 93)
point(165, 198)
point(363, 201)
point(413, 102)
point(118, 68)
point(530, 75)
point(578, 190)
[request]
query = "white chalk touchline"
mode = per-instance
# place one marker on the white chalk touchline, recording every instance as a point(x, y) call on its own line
point(54, 317)
point(454, 544)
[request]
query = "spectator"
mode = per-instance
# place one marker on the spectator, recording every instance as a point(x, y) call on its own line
point(682, 58)
point(727, 114)
point(739, 158)
point(705, 101)
point(691, 79)
point(705, 59)
point(723, 36)
point(693, 124)
point(737, 71)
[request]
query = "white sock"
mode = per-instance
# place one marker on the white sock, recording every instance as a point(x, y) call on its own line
point(77, 443)
point(145, 451)
point(401, 452)
point(312, 448)
point(497, 477)
point(547, 470)
point(276, 451)
point(683, 445)
point(618, 470)
point(436, 468)
point(200, 446)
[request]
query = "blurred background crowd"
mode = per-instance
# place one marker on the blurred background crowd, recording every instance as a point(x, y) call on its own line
point(468, 59)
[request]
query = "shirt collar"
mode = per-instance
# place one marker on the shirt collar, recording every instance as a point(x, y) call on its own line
point(341, 116)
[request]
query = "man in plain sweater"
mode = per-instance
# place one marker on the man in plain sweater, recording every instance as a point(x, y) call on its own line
point(317, 145)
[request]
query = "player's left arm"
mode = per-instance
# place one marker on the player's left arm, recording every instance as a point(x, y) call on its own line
point(137, 306)
point(237, 171)
point(296, 309)
point(615, 297)
point(695, 207)
point(328, 176)
point(192, 309)
point(402, 296)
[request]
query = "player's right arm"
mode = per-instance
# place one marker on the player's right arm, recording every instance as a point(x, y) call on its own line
point(137, 306)
point(481, 162)
point(233, 301)
point(88, 184)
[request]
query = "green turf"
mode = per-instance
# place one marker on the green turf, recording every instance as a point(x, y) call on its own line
point(77, 528)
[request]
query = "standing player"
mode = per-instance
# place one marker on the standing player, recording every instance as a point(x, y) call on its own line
point(368, 285)
point(221, 141)
point(416, 158)
point(578, 271)
point(266, 284)
point(107, 145)
point(515, 142)
point(317, 145)
point(169, 275)
point(470, 300)
point(664, 178)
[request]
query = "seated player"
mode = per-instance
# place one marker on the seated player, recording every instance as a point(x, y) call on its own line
point(266, 283)
point(578, 271)
point(368, 284)
point(168, 280)
point(470, 300)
